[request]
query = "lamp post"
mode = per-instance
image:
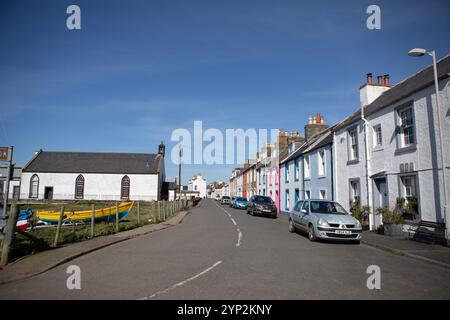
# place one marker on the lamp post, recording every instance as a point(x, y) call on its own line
point(419, 52)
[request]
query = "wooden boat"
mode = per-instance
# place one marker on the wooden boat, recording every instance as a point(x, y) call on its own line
point(105, 214)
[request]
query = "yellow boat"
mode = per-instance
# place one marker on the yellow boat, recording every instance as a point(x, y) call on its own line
point(105, 214)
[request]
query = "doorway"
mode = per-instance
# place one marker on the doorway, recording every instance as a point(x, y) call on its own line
point(48, 193)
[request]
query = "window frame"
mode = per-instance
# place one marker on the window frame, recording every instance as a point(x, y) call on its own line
point(122, 185)
point(30, 194)
point(77, 186)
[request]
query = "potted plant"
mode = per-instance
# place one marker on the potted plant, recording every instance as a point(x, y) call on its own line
point(393, 222)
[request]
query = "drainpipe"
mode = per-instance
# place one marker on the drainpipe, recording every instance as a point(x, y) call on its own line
point(368, 170)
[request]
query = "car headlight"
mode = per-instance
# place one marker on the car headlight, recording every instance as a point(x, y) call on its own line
point(323, 223)
point(357, 224)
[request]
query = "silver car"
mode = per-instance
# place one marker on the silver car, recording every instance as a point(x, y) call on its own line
point(323, 219)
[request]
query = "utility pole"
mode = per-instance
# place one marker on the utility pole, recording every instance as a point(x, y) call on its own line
point(180, 154)
point(8, 178)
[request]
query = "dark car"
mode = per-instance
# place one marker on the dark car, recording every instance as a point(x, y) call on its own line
point(225, 200)
point(262, 205)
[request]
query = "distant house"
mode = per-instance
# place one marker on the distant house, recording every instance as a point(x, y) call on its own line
point(93, 176)
point(197, 183)
point(14, 183)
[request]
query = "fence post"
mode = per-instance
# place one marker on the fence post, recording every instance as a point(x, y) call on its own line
point(10, 230)
point(117, 216)
point(138, 212)
point(92, 220)
point(159, 211)
point(58, 227)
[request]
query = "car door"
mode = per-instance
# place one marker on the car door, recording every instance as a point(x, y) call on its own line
point(304, 215)
point(296, 213)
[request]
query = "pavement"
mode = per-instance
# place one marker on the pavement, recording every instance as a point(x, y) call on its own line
point(432, 253)
point(223, 253)
point(41, 262)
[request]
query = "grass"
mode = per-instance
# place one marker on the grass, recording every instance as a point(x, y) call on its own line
point(43, 238)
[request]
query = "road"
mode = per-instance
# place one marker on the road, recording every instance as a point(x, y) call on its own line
point(223, 253)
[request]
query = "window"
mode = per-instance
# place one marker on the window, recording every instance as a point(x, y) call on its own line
point(307, 168)
point(296, 170)
point(286, 172)
point(353, 144)
point(409, 187)
point(79, 187)
point(308, 194)
point(407, 136)
point(34, 186)
point(287, 200)
point(125, 188)
point(378, 137)
point(322, 194)
point(296, 195)
point(321, 159)
point(354, 191)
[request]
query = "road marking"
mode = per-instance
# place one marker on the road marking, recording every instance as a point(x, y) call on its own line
point(238, 243)
point(179, 284)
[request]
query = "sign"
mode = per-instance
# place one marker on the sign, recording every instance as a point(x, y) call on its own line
point(4, 153)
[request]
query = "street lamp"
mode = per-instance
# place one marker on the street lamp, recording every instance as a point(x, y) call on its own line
point(419, 52)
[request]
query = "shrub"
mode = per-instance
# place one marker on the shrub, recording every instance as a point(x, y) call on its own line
point(391, 216)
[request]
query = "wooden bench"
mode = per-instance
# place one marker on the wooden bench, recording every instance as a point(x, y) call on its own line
point(430, 232)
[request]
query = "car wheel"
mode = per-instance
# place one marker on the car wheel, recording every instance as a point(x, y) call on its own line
point(311, 233)
point(291, 226)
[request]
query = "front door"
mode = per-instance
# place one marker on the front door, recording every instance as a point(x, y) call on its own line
point(48, 193)
point(16, 192)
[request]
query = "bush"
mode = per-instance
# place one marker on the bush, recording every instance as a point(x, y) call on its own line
point(391, 216)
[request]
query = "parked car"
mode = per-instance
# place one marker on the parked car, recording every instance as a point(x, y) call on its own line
point(262, 205)
point(323, 219)
point(232, 201)
point(225, 200)
point(240, 203)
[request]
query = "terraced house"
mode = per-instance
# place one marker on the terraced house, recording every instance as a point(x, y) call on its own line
point(392, 147)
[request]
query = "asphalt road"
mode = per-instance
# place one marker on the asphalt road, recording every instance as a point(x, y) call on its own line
point(223, 253)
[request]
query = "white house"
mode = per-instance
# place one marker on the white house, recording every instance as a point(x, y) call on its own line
point(14, 183)
point(391, 147)
point(93, 176)
point(197, 183)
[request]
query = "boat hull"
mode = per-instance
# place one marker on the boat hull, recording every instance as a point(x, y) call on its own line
point(101, 215)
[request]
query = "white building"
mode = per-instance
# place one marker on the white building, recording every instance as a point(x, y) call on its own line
point(197, 183)
point(395, 152)
point(14, 183)
point(93, 176)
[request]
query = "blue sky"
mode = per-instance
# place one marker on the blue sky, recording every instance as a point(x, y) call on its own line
point(140, 69)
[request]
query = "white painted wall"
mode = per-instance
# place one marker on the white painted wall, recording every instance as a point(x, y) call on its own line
point(197, 183)
point(96, 186)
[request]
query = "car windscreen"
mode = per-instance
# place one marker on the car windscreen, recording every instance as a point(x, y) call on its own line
point(327, 207)
point(241, 199)
point(263, 199)
point(228, 198)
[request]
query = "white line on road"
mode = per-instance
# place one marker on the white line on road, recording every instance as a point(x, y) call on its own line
point(238, 244)
point(179, 284)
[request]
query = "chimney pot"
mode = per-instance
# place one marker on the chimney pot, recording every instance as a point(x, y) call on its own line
point(386, 80)
point(369, 78)
point(380, 80)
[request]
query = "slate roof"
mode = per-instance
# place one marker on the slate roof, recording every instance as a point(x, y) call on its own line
point(95, 162)
point(403, 89)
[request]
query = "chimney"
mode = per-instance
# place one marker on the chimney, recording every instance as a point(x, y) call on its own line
point(314, 127)
point(370, 91)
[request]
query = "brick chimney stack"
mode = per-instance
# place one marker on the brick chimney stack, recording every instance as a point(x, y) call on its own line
point(315, 125)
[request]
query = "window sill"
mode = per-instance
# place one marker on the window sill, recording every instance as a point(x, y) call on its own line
point(377, 149)
point(307, 178)
point(407, 149)
point(321, 177)
point(350, 162)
